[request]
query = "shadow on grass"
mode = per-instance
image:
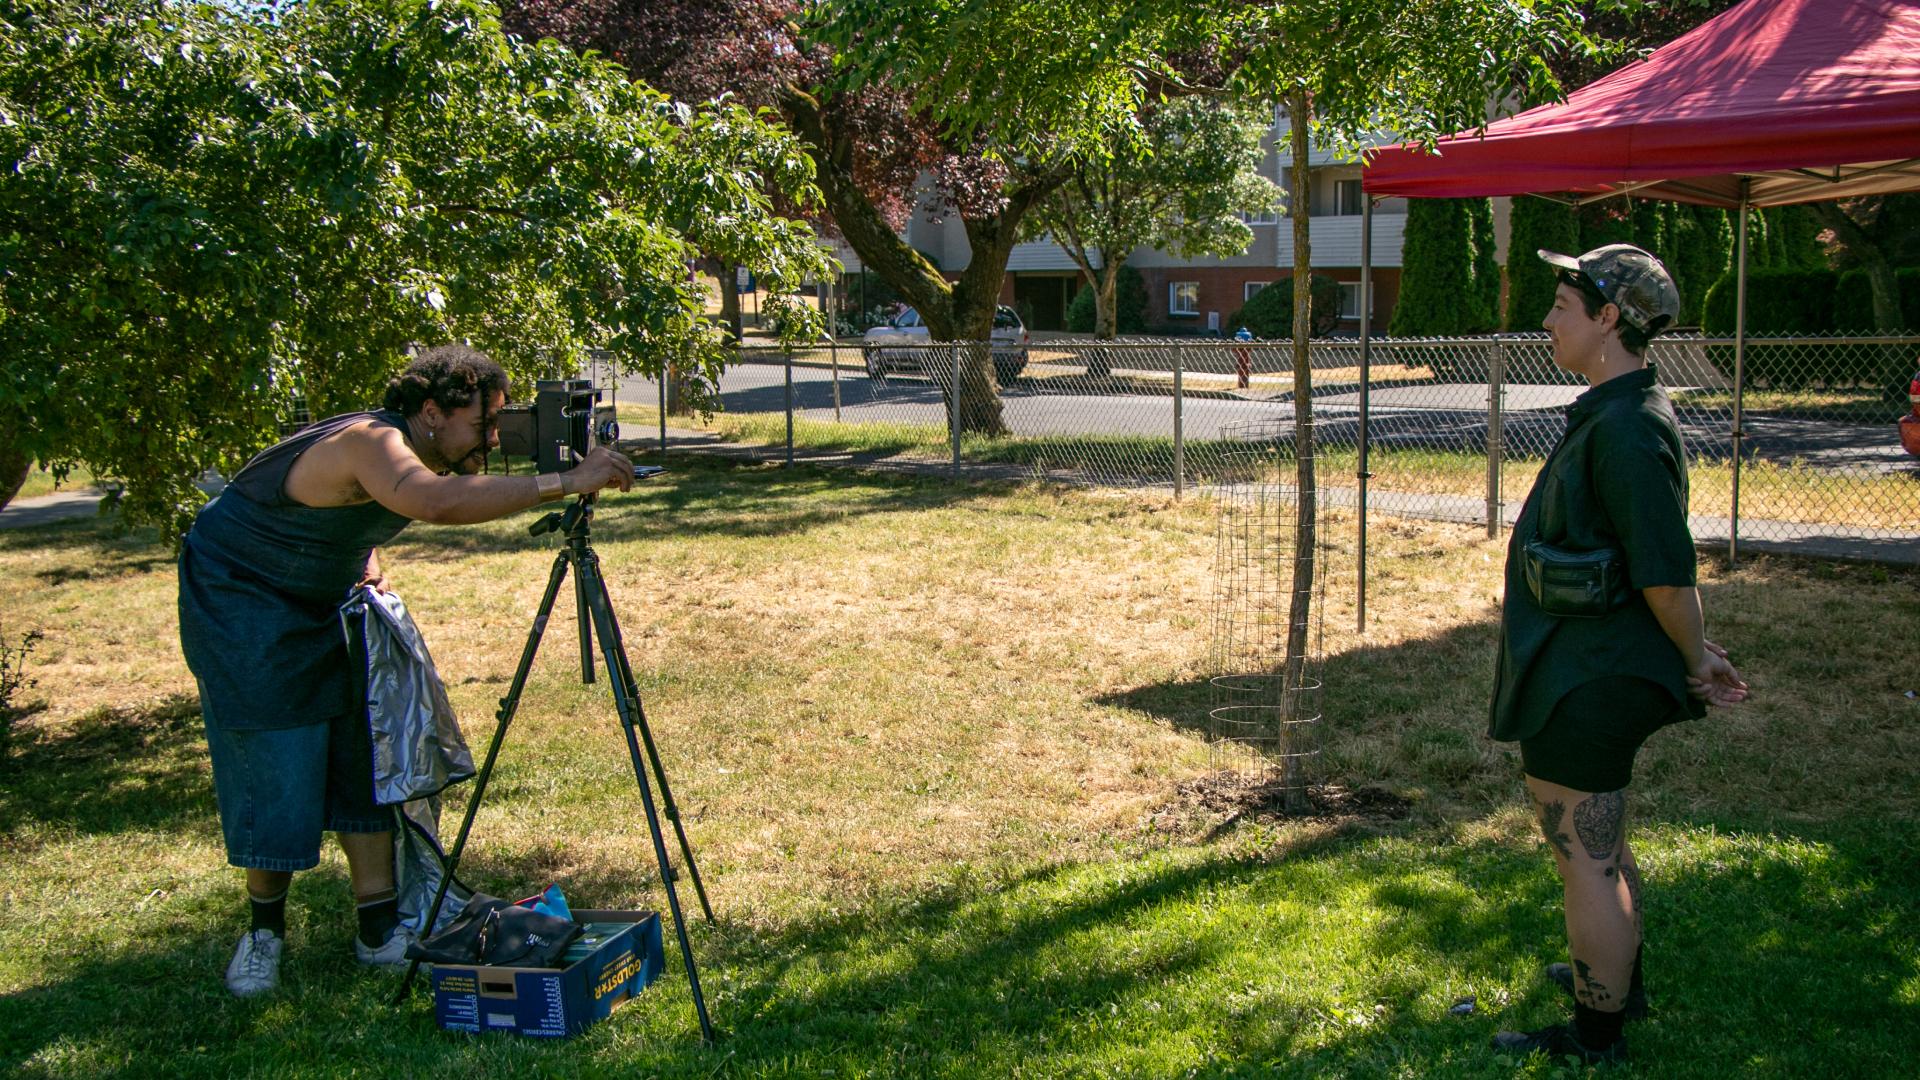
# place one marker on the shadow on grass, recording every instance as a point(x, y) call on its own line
point(113, 770)
point(1338, 954)
point(704, 496)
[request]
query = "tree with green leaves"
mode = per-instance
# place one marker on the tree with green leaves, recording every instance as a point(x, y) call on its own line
point(210, 212)
point(1182, 188)
point(1343, 70)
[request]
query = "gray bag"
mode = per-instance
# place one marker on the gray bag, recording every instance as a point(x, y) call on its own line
point(418, 750)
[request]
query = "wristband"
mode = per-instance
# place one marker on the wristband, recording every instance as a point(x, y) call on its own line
point(551, 487)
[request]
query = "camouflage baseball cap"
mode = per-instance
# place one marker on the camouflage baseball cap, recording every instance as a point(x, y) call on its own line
point(1630, 279)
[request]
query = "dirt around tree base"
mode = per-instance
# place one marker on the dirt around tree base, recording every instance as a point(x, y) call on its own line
point(1217, 801)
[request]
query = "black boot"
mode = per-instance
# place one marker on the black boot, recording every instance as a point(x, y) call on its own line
point(1559, 1041)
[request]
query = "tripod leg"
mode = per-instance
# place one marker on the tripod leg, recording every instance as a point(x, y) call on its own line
point(620, 669)
point(585, 619)
point(628, 705)
point(508, 705)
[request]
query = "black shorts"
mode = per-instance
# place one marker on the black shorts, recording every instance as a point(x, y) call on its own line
point(1589, 741)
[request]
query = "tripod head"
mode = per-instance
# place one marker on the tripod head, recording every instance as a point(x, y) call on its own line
point(580, 514)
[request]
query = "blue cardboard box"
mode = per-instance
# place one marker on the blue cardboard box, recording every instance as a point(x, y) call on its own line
point(617, 956)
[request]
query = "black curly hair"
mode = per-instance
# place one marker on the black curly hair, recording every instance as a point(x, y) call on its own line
point(452, 375)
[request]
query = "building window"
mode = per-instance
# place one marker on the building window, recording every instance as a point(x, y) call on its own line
point(1183, 298)
point(1250, 288)
point(1265, 217)
point(1350, 300)
point(1348, 197)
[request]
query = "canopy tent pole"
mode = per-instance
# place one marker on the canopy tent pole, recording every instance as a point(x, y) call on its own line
point(1366, 357)
point(1739, 368)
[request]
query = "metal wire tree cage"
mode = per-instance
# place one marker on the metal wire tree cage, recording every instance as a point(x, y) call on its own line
point(1269, 595)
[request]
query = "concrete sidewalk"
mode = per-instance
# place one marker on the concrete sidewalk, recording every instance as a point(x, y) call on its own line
point(46, 509)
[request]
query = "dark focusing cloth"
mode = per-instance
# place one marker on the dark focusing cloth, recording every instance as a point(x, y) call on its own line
point(1617, 478)
point(261, 582)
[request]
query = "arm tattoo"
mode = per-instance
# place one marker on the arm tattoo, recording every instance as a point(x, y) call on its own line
point(1552, 816)
point(1599, 820)
point(416, 470)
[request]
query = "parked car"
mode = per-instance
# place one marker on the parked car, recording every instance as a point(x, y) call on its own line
point(900, 345)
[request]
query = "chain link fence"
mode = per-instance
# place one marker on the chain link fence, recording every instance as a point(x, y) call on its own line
point(1452, 429)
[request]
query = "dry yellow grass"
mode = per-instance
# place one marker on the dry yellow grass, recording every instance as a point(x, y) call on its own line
point(865, 685)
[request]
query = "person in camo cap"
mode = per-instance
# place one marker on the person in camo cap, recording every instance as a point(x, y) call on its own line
point(1581, 689)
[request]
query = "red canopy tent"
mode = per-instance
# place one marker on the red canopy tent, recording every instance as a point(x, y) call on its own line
point(1792, 100)
point(1769, 103)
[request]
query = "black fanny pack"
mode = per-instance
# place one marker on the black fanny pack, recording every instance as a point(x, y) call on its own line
point(1574, 584)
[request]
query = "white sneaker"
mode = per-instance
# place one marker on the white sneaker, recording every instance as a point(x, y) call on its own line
point(391, 953)
point(255, 967)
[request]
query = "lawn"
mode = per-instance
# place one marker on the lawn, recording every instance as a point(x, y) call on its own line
point(939, 747)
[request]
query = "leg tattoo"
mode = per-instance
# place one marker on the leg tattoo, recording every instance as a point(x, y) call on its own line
point(1553, 816)
point(1599, 819)
point(1587, 991)
point(1630, 872)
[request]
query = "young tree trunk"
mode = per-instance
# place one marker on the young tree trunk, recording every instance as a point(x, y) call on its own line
point(1300, 608)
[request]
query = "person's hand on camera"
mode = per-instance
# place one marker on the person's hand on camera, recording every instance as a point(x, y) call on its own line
point(602, 468)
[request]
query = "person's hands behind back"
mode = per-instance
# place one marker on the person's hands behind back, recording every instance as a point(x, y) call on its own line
point(1715, 681)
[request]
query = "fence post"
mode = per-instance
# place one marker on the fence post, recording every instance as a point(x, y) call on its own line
point(1179, 420)
point(833, 352)
point(666, 372)
point(1739, 372)
point(789, 366)
point(953, 405)
point(1496, 434)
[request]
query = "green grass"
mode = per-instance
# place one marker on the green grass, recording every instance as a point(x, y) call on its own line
point(936, 745)
point(41, 482)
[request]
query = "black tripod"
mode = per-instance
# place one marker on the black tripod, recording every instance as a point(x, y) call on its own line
point(596, 619)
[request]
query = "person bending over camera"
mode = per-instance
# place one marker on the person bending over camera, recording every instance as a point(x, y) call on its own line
point(263, 571)
point(1602, 639)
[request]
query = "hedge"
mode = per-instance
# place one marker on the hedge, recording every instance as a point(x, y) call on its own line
point(1270, 313)
point(1439, 293)
point(1130, 300)
point(1853, 301)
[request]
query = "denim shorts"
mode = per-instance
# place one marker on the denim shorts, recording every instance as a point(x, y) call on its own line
point(278, 789)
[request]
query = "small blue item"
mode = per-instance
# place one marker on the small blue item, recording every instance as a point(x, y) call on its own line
point(550, 902)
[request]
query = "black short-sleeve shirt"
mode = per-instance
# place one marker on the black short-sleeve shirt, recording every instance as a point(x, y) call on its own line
point(1618, 479)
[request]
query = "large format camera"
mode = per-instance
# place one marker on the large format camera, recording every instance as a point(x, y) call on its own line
point(564, 421)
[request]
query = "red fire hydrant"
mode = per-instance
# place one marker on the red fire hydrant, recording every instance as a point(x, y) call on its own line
point(1910, 423)
point(1243, 358)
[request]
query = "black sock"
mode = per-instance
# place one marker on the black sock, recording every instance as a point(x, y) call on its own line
point(1597, 1030)
point(377, 920)
point(1634, 986)
point(269, 914)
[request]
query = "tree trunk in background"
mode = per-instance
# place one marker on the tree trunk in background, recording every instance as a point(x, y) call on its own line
point(726, 272)
point(1300, 608)
point(1884, 288)
point(1106, 317)
point(15, 463)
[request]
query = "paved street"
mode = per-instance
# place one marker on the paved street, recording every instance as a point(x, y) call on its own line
point(1448, 416)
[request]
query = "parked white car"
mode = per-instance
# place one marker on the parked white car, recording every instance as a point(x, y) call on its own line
point(900, 345)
